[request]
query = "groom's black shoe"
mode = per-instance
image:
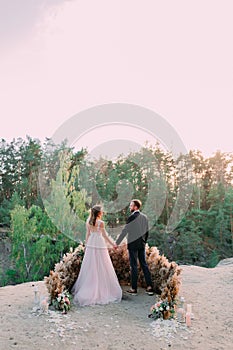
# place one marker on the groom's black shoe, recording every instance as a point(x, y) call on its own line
point(132, 291)
point(149, 291)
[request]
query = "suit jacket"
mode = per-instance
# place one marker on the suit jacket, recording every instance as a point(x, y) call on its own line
point(136, 230)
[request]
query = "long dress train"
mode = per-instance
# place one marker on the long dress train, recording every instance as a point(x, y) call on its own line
point(97, 282)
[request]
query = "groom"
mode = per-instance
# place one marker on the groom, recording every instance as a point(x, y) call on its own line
point(137, 230)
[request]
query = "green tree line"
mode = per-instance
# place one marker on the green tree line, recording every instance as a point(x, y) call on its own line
point(46, 191)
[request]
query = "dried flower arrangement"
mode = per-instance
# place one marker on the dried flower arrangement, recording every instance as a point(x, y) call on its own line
point(165, 275)
point(65, 273)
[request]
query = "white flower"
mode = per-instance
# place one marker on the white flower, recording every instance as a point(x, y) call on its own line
point(161, 309)
point(168, 308)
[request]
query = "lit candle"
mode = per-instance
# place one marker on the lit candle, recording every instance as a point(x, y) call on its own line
point(188, 319)
point(44, 306)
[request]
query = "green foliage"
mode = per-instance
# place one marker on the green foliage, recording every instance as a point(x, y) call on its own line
point(185, 245)
point(36, 245)
point(19, 163)
point(23, 231)
point(65, 205)
point(7, 206)
point(213, 259)
point(70, 183)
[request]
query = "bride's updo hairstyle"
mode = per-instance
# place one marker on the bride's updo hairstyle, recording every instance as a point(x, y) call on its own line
point(94, 214)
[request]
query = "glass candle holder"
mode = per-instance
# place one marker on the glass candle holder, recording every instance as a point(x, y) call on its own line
point(189, 308)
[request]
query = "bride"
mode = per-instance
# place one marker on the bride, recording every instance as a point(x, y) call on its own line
point(97, 281)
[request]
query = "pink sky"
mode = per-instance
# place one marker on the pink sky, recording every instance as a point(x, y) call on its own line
point(173, 57)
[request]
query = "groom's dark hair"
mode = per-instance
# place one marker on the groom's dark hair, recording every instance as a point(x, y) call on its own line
point(137, 202)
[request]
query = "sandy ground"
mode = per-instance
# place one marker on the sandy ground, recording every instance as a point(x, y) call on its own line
point(124, 325)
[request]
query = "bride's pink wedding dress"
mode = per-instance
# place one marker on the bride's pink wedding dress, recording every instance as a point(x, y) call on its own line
point(97, 282)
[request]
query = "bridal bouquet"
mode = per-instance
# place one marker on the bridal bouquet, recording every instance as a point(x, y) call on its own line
point(62, 302)
point(162, 309)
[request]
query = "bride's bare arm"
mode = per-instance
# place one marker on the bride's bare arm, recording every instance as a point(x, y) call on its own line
point(105, 235)
point(87, 231)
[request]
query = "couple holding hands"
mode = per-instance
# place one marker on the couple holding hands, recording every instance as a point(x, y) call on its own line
point(97, 282)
